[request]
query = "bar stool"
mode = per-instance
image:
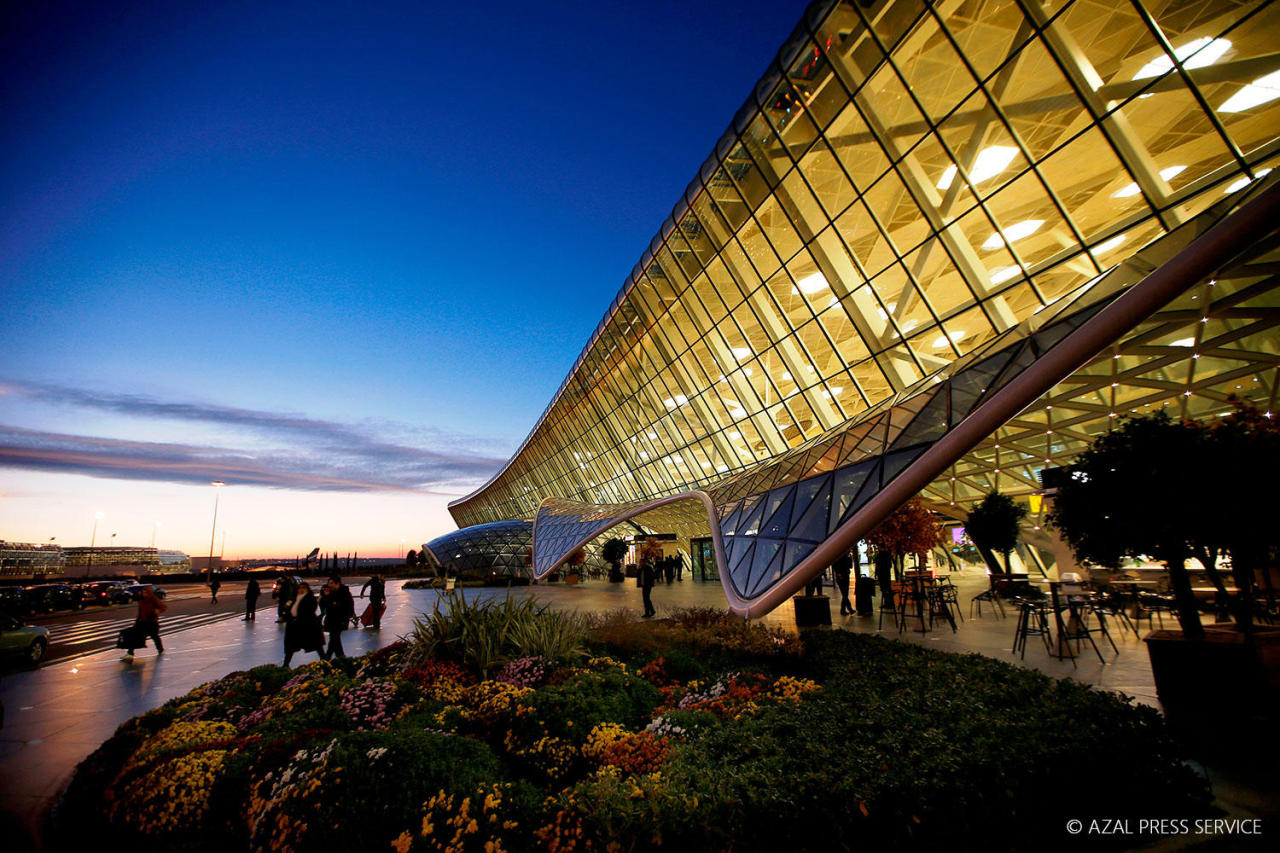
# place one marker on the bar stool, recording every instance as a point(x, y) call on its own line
point(888, 599)
point(1033, 620)
point(1076, 628)
point(951, 596)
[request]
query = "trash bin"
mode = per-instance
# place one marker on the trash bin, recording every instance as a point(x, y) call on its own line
point(864, 589)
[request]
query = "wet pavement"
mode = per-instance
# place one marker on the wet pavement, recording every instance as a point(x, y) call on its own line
point(57, 715)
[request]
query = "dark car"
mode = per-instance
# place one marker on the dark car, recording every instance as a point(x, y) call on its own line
point(13, 600)
point(135, 590)
point(48, 597)
point(26, 643)
point(106, 592)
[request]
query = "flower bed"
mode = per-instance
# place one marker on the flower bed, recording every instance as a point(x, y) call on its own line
point(697, 732)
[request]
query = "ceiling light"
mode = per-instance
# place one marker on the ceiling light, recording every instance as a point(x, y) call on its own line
point(941, 342)
point(741, 353)
point(653, 435)
point(1003, 274)
point(812, 283)
point(1108, 245)
point(1183, 342)
point(722, 468)
point(990, 162)
point(1260, 91)
point(644, 455)
point(1013, 233)
point(737, 413)
point(1241, 183)
point(734, 434)
point(677, 400)
point(786, 376)
point(1196, 53)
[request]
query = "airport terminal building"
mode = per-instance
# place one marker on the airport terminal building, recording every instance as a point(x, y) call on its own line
point(939, 249)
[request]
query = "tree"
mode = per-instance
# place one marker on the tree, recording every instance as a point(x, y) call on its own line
point(911, 529)
point(993, 527)
point(612, 553)
point(1161, 487)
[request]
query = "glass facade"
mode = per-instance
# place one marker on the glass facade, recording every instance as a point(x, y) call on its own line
point(904, 189)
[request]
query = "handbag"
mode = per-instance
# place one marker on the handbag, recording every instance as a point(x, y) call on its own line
point(131, 638)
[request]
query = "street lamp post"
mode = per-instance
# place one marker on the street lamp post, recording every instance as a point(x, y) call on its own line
point(222, 552)
point(154, 530)
point(97, 516)
point(213, 533)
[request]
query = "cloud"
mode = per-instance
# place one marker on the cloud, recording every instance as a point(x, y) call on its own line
point(312, 454)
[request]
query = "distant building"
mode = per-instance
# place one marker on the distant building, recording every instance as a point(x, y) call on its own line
point(117, 556)
point(24, 559)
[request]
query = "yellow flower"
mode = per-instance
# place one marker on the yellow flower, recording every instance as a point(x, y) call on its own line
point(403, 842)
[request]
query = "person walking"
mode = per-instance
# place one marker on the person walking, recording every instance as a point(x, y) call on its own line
point(251, 593)
point(284, 598)
point(339, 608)
point(147, 624)
point(648, 577)
point(214, 586)
point(302, 632)
point(377, 600)
point(679, 558)
point(840, 571)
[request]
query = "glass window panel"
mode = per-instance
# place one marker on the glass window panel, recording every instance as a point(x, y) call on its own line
point(944, 286)
point(894, 21)
point(865, 241)
point(843, 335)
point(885, 98)
point(786, 112)
point(1040, 103)
point(828, 179)
point(897, 212)
point(1089, 180)
point(988, 32)
point(933, 71)
point(1031, 224)
point(871, 379)
point(781, 233)
point(802, 207)
point(858, 151)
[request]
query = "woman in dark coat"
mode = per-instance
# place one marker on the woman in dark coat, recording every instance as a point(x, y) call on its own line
point(302, 633)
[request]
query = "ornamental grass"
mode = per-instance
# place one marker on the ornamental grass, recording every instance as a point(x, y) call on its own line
point(692, 733)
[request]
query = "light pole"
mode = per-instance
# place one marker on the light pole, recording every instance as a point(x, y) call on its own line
point(217, 486)
point(154, 530)
point(223, 551)
point(97, 516)
point(401, 549)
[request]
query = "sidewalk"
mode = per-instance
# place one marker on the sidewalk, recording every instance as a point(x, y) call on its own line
point(57, 715)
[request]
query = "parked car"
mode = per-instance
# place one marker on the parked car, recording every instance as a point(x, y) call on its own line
point(48, 597)
point(106, 592)
point(135, 590)
point(13, 600)
point(25, 643)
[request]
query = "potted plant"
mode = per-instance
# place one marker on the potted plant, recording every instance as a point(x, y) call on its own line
point(1179, 490)
point(573, 565)
point(612, 553)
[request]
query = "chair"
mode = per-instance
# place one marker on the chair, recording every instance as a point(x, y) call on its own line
point(988, 595)
point(951, 596)
point(1033, 620)
point(888, 597)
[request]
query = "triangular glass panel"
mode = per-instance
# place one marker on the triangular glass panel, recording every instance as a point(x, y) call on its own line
point(768, 551)
point(972, 382)
point(796, 551)
point(929, 425)
point(895, 462)
point(1020, 362)
point(1046, 339)
point(781, 520)
point(811, 525)
point(751, 521)
point(729, 524)
point(805, 490)
point(741, 562)
point(869, 490)
point(846, 485)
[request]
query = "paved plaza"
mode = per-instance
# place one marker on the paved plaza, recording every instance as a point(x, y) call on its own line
point(57, 715)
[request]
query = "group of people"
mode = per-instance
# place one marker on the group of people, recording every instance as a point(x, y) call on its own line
point(306, 617)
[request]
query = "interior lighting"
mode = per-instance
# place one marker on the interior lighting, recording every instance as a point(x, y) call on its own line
point(990, 162)
point(786, 376)
point(1183, 342)
point(1241, 183)
point(677, 400)
point(741, 353)
point(1013, 233)
point(706, 464)
point(644, 455)
point(734, 434)
point(941, 342)
point(810, 284)
point(1260, 91)
point(892, 306)
point(1196, 53)
point(1003, 274)
point(720, 469)
point(1167, 174)
point(653, 435)
point(1108, 245)
point(737, 413)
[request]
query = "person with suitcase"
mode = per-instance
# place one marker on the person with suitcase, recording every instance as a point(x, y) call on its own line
point(146, 625)
point(377, 601)
point(338, 609)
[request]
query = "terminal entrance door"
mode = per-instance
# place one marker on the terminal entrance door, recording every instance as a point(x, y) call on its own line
point(703, 555)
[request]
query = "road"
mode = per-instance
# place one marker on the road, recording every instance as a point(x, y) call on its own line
point(80, 632)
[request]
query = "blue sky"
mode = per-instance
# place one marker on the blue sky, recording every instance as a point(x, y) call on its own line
point(339, 255)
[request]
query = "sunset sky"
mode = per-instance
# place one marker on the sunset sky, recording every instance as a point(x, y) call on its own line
point(339, 255)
